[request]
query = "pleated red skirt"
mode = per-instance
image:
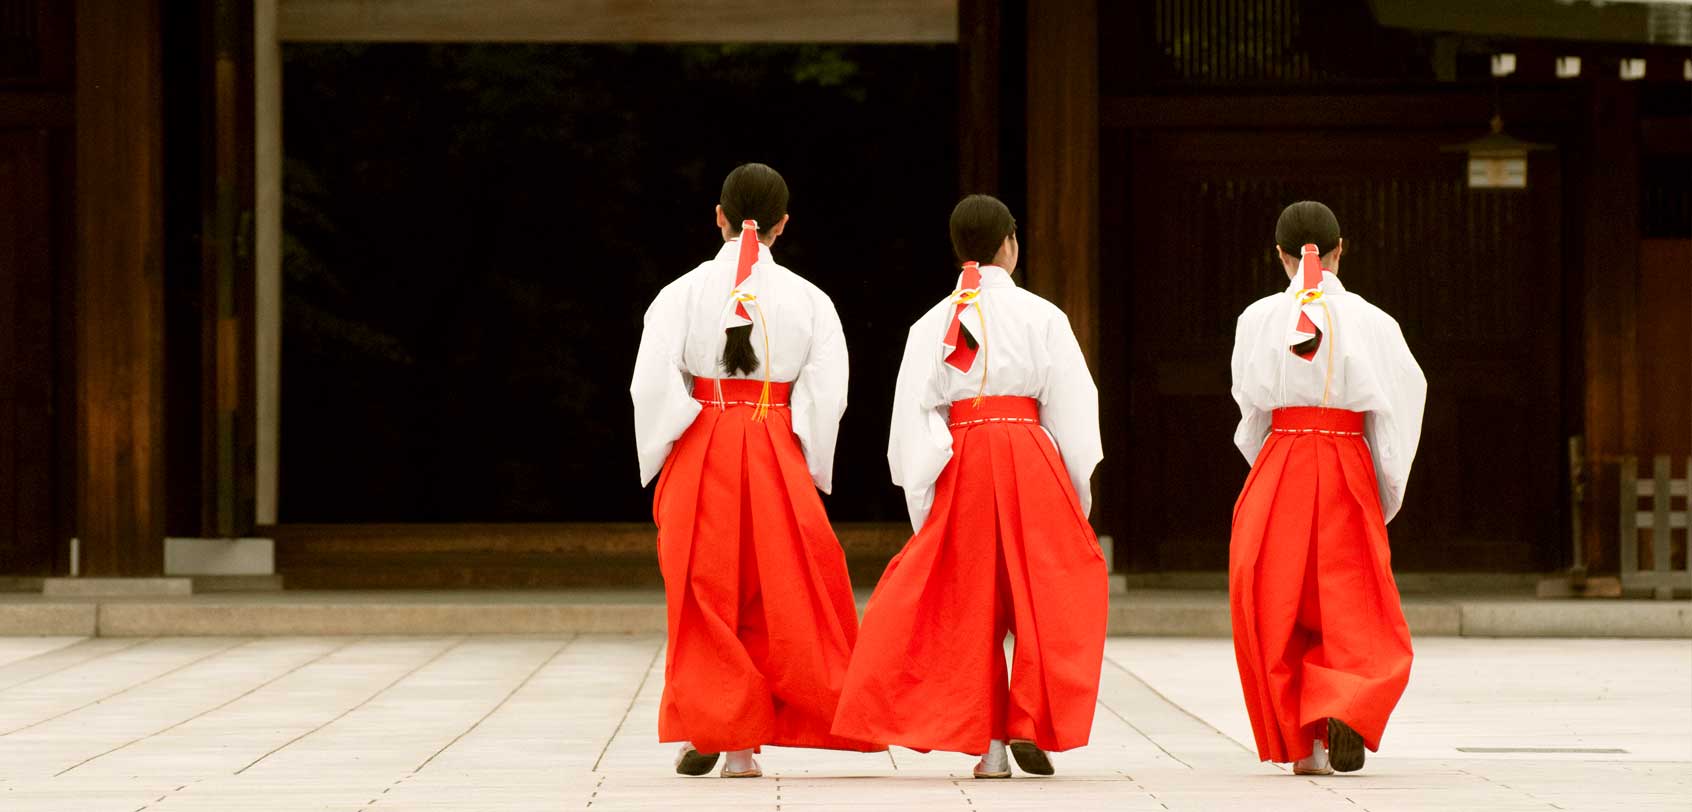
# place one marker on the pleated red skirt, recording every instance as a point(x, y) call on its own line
point(1318, 628)
point(761, 614)
point(1006, 548)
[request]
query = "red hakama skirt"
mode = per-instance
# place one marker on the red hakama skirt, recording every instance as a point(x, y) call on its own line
point(761, 614)
point(1318, 629)
point(1006, 548)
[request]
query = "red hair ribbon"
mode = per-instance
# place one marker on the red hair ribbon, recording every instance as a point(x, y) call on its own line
point(743, 263)
point(960, 354)
point(1311, 268)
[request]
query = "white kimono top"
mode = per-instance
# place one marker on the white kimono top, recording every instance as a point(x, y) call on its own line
point(684, 339)
point(1373, 373)
point(1030, 351)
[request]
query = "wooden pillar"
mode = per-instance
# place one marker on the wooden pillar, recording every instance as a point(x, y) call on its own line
point(1610, 240)
point(1060, 249)
point(119, 288)
point(228, 389)
point(979, 42)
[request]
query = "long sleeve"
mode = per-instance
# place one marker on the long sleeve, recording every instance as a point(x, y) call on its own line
point(819, 395)
point(1069, 409)
point(919, 442)
point(1393, 432)
point(663, 403)
point(1253, 429)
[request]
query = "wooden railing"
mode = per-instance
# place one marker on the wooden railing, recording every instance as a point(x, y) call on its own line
point(1663, 579)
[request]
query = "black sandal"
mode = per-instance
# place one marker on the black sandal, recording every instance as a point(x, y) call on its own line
point(1031, 758)
point(1345, 747)
point(694, 762)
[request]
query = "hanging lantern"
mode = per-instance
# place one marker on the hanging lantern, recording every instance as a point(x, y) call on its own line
point(1497, 160)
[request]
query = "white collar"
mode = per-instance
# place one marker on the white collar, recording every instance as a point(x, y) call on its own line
point(1330, 283)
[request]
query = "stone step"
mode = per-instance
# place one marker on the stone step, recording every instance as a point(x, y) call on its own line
point(1179, 613)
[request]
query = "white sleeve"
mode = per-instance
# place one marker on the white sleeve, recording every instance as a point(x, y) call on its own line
point(663, 405)
point(1253, 430)
point(1069, 409)
point(1394, 432)
point(819, 394)
point(919, 442)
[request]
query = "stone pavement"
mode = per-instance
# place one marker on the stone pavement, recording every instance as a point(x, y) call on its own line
point(569, 722)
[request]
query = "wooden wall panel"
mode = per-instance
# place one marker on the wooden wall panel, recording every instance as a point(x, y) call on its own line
point(980, 29)
point(1665, 348)
point(1608, 234)
point(618, 21)
point(120, 293)
point(1061, 226)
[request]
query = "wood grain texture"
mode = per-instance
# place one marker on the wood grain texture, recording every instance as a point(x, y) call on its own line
point(1665, 348)
point(1060, 248)
point(1609, 301)
point(506, 556)
point(980, 29)
point(120, 293)
point(615, 21)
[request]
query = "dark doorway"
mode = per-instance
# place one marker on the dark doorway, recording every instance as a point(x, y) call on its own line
point(27, 453)
point(473, 233)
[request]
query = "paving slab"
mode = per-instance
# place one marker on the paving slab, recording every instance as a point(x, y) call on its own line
point(544, 722)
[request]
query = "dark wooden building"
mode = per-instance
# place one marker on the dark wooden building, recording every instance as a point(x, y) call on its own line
point(1148, 147)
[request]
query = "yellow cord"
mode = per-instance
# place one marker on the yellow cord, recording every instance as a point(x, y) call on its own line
point(762, 410)
point(981, 318)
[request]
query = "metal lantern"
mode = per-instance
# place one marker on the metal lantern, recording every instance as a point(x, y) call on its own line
point(1498, 160)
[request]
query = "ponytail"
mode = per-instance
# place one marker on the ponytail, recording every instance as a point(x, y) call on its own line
point(753, 193)
point(738, 357)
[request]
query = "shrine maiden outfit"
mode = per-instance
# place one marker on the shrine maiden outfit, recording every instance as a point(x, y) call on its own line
point(761, 614)
point(994, 447)
point(1331, 428)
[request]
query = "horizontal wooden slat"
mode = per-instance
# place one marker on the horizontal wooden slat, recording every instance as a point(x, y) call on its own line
point(1327, 112)
point(658, 21)
point(1644, 520)
point(1677, 487)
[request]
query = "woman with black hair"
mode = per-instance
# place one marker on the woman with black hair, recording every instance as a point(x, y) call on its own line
point(739, 386)
point(1330, 415)
point(995, 435)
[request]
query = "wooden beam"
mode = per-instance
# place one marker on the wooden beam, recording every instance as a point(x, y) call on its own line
point(1061, 249)
point(979, 41)
point(506, 556)
point(1460, 108)
point(119, 289)
point(617, 21)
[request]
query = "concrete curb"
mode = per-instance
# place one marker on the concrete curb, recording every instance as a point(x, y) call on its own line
point(143, 619)
point(1145, 613)
point(49, 619)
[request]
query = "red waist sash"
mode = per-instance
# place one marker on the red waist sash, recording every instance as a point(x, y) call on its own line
point(1317, 420)
point(995, 409)
point(741, 391)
